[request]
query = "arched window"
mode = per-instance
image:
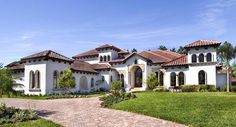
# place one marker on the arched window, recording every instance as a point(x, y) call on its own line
point(181, 78)
point(194, 58)
point(31, 80)
point(103, 78)
point(37, 79)
point(105, 58)
point(209, 59)
point(135, 61)
point(55, 79)
point(122, 80)
point(161, 80)
point(157, 76)
point(172, 79)
point(83, 83)
point(101, 58)
point(92, 82)
point(201, 77)
point(108, 58)
point(201, 58)
point(111, 79)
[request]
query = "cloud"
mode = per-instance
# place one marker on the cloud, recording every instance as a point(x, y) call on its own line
point(213, 16)
point(29, 35)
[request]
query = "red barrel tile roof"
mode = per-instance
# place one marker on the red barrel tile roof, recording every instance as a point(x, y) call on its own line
point(201, 43)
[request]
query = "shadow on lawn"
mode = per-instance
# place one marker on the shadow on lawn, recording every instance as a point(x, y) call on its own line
point(44, 113)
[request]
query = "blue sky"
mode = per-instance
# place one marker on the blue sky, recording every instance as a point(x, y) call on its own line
point(73, 26)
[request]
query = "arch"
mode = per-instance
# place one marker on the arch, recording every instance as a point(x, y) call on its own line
point(55, 79)
point(101, 58)
point(181, 78)
point(31, 80)
point(194, 58)
point(201, 58)
point(108, 58)
point(83, 83)
point(138, 79)
point(209, 57)
point(172, 79)
point(202, 77)
point(104, 58)
point(92, 82)
point(37, 79)
point(161, 80)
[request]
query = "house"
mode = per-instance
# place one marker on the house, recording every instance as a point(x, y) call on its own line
point(96, 69)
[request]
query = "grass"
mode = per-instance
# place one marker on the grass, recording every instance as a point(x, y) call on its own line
point(33, 123)
point(194, 109)
point(94, 94)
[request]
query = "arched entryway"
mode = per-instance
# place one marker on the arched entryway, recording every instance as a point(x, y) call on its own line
point(83, 83)
point(138, 77)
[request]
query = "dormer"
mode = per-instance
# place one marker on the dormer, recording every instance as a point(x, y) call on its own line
point(202, 51)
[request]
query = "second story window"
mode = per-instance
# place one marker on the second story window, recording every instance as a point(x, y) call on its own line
point(201, 58)
point(101, 58)
point(135, 61)
point(209, 57)
point(108, 58)
point(105, 58)
point(194, 58)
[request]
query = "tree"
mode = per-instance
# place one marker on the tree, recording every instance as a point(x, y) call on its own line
point(6, 82)
point(234, 70)
point(226, 52)
point(1, 65)
point(66, 80)
point(152, 81)
point(162, 47)
point(181, 50)
point(134, 50)
point(173, 50)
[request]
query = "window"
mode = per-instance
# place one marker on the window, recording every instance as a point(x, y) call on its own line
point(55, 79)
point(157, 76)
point(209, 59)
point(135, 61)
point(108, 58)
point(201, 58)
point(161, 78)
point(122, 80)
point(104, 58)
point(172, 79)
point(37, 79)
point(92, 82)
point(101, 58)
point(194, 58)
point(83, 83)
point(202, 77)
point(103, 78)
point(32, 80)
point(111, 79)
point(181, 78)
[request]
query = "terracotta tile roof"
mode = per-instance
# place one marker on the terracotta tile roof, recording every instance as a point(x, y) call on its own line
point(17, 65)
point(127, 57)
point(201, 43)
point(48, 54)
point(183, 60)
point(101, 66)
point(160, 56)
point(94, 52)
point(82, 66)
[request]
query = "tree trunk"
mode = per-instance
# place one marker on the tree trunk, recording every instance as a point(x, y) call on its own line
point(228, 77)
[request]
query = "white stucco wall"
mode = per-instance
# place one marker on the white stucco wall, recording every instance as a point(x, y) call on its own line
point(19, 80)
point(204, 51)
point(91, 60)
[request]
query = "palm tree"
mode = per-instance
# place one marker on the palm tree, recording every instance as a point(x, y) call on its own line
point(226, 52)
point(234, 70)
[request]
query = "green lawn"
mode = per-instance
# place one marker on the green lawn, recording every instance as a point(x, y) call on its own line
point(33, 123)
point(195, 109)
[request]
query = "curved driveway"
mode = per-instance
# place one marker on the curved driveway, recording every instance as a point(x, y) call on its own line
point(86, 112)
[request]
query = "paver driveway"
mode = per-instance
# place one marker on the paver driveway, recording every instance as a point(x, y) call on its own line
point(86, 112)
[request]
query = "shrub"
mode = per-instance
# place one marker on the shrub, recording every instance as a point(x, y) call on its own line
point(116, 87)
point(159, 89)
point(13, 115)
point(110, 99)
point(152, 81)
point(231, 88)
point(190, 88)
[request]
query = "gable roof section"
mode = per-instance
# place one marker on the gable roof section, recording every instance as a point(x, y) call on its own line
point(47, 54)
point(94, 52)
point(127, 57)
point(160, 56)
point(82, 66)
point(17, 65)
point(183, 60)
point(202, 43)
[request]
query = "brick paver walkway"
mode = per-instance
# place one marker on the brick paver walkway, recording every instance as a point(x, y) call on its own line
point(86, 112)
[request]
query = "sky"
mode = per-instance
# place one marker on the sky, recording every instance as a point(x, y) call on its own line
point(70, 27)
